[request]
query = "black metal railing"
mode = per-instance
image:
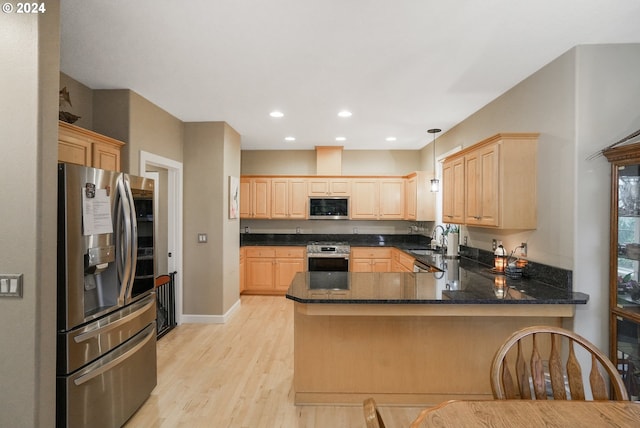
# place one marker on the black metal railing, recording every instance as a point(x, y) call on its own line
point(165, 303)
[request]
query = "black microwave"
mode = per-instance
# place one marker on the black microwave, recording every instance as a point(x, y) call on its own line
point(329, 208)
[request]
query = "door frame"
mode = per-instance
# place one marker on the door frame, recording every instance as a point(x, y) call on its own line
point(174, 216)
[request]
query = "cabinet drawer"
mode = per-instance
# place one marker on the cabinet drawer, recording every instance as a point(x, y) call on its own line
point(260, 252)
point(370, 253)
point(404, 259)
point(290, 252)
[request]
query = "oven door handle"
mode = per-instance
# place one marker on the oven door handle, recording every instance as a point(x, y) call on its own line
point(328, 256)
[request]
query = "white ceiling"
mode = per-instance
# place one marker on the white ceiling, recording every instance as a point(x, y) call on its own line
point(401, 66)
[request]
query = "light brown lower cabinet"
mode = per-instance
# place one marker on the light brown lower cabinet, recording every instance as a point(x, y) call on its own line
point(270, 270)
point(402, 262)
point(370, 259)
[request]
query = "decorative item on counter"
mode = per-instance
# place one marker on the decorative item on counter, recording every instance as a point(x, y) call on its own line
point(514, 269)
point(500, 260)
point(65, 99)
point(452, 234)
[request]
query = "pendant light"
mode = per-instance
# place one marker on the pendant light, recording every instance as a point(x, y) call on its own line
point(435, 183)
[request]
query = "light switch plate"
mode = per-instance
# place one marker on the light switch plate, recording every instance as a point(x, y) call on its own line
point(11, 285)
point(202, 238)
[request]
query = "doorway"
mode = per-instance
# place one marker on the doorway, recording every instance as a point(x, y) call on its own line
point(168, 174)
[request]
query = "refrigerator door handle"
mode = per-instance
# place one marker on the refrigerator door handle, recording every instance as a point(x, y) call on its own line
point(124, 233)
point(111, 364)
point(101, 330)
point(132, 237)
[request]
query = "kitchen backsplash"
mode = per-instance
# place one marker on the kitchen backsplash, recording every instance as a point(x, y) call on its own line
point(408, 240)
point(355, 227)
point(551, 275)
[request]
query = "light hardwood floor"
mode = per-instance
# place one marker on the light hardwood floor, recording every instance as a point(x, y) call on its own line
point(240, 374)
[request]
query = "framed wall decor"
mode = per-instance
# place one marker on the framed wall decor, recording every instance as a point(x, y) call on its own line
point(234, 197)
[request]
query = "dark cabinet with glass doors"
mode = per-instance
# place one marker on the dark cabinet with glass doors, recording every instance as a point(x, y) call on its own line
point(624, 277)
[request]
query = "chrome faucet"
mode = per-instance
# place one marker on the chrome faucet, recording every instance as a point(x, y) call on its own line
point(434, 235)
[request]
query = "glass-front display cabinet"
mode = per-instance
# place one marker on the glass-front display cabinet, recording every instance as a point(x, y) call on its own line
point(624, 277)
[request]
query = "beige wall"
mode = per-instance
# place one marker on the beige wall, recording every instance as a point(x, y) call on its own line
point(29, 73)
point(287, 162)
point(230, 228)
point(354, 162)
point(580, 103)
point(81, 100)
point(211, 154)
point(125, 115)
point(152, 130)
point(542, 103)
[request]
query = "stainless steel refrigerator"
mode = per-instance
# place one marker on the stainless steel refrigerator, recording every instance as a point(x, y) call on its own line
point(106, 309)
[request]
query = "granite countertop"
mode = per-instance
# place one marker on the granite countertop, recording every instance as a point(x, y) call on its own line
point(465, 280)
point(461, 281)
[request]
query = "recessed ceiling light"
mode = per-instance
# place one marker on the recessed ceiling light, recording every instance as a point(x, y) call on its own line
point(276, 113)
point(390, 139)
point(290, 138)
point(345, 113)
point(341, 138)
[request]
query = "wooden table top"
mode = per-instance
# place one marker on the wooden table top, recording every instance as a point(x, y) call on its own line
point(530, 413)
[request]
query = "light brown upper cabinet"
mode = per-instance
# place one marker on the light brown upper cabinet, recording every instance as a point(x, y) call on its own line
point(377, 199)
point(482, 186)
point(255, 197)
point(364, 199)
point(497, 177)
point(83, 147)
point(323, 186)
point(453, 191)
point(288, 198)
point(420, 202)
point(391, 198)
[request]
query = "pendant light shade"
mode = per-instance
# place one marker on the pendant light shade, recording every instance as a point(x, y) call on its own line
point(435, 183)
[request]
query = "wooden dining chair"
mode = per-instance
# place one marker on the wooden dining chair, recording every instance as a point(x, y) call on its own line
point(531, 380)
point(371, 414)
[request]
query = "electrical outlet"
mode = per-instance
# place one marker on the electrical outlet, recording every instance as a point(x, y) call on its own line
point(465, 240)
point(494, 244)
point(523, 249)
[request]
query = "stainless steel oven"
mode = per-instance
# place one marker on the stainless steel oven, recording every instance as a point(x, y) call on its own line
point(328, 256)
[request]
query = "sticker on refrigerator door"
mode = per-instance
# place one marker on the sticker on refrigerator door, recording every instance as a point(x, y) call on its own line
point(96, 212)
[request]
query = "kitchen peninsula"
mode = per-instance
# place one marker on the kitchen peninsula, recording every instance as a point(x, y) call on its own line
point(411, 338)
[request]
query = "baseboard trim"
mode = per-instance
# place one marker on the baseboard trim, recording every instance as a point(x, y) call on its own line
point(210, 319)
